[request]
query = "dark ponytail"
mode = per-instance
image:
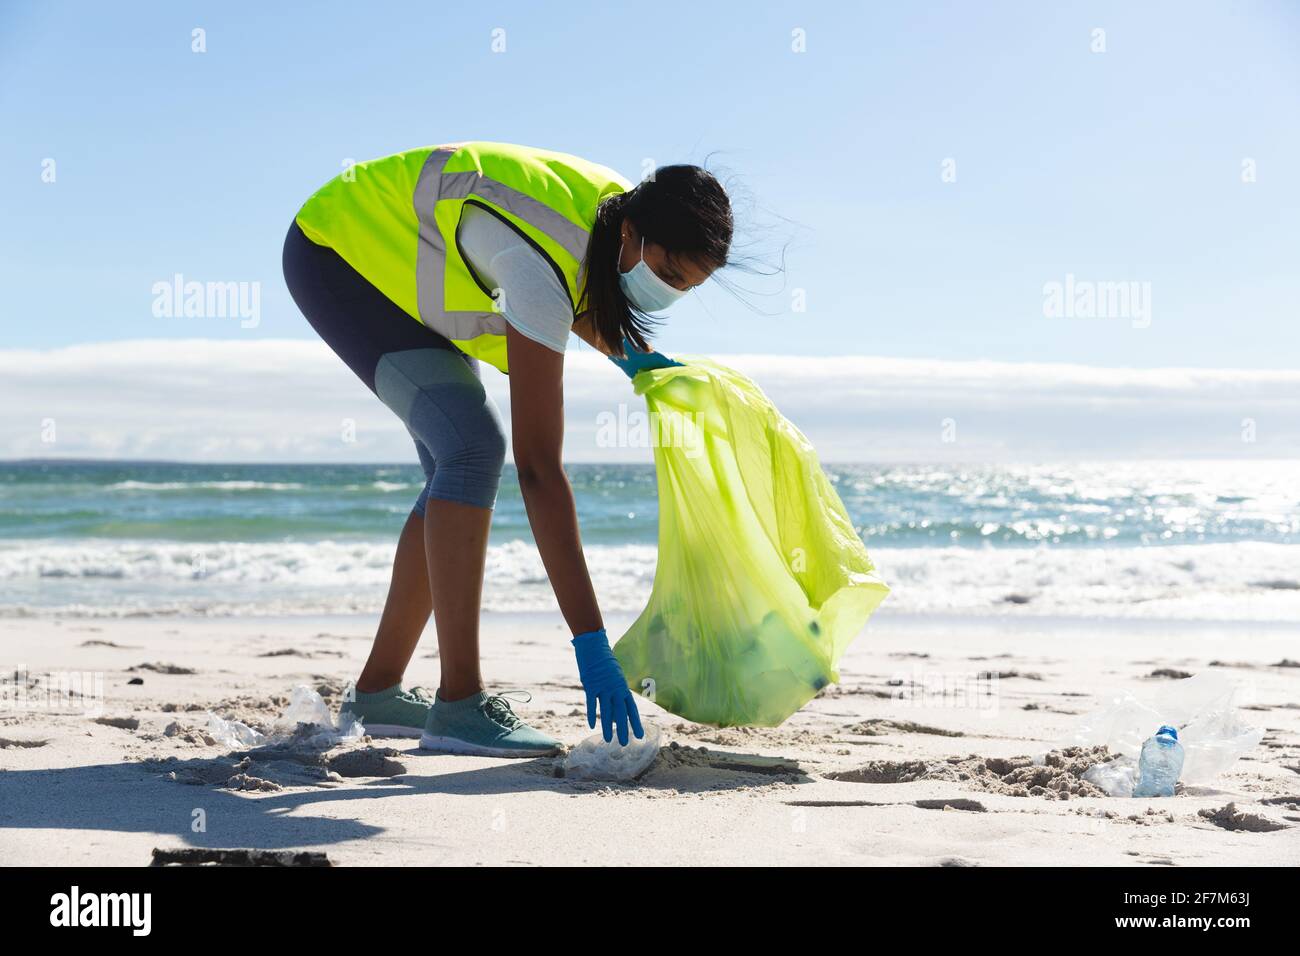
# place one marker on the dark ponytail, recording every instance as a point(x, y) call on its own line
point(685, 210)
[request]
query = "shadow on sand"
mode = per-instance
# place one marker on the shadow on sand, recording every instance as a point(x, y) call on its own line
point(141, 797)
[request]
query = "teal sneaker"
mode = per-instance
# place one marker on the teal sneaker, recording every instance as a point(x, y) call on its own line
point(483, 726)
point(392, 712)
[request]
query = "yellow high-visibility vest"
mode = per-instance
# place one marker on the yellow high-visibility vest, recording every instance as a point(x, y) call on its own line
point(394, 220)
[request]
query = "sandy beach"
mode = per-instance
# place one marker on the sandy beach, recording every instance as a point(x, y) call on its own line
point(837, 784)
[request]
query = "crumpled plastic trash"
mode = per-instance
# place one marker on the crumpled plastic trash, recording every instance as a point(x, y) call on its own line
point(1213, 732)
point(231, 733)
point(305, 707)
point(1116, 778)
point(761, 580)
point(306, 720)
point(593, 759)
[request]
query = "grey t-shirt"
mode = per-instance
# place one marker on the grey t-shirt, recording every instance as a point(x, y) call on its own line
point(530, 294)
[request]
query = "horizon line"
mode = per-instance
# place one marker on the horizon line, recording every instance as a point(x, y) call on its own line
point(580, 349)
point(640, 464)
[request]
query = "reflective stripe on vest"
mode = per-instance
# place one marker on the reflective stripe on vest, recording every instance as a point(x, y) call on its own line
point(438, 200)
point(431, 261)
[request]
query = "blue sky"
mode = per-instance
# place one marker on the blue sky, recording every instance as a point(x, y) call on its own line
point(1117, 166)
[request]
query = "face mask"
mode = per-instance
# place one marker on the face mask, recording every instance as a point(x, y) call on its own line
point(643, 288)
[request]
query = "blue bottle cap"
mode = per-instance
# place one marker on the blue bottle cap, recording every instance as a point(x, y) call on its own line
point(1166, 729)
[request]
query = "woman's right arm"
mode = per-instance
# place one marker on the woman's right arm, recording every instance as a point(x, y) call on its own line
point(537, 437)
point(537, 434)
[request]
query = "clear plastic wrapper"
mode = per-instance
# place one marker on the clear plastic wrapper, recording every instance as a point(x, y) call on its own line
point(1116, 778)
point(306, 720)
point(593, 759)
point(233, 734)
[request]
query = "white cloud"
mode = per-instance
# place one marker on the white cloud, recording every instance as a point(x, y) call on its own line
point(289, 400)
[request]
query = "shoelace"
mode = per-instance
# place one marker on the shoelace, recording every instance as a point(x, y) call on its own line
point(497, 708)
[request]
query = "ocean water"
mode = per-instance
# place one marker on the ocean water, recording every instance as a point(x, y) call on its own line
point(1182, 540)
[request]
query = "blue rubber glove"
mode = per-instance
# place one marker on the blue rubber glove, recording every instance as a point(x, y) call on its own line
point(603, 680)
point(634, 361)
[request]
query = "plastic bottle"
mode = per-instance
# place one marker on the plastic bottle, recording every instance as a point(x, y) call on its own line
point(1160, 765)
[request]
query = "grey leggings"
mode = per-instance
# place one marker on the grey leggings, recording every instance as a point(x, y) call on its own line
point(432, 386)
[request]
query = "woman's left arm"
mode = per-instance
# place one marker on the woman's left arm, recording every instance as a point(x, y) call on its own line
point(632, 360)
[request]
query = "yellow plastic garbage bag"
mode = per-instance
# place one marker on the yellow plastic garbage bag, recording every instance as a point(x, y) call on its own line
point(761, 581)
